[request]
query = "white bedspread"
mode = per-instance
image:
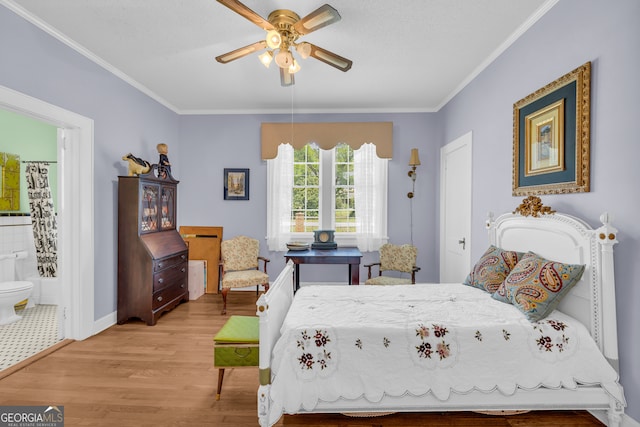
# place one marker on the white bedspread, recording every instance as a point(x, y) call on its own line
point(368, 341)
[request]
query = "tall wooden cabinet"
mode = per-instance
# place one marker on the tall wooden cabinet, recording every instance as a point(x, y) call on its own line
point(152, 257)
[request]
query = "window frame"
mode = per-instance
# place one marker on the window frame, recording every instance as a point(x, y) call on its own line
point(326, 198)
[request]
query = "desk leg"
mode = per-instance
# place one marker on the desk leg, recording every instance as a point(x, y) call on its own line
point(297, 278)
point(354, 274)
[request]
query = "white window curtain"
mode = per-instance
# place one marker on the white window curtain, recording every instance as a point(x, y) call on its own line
point(370, 188)
point(279, 189)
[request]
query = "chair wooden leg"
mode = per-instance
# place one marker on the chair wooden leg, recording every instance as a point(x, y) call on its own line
point(225, 292)
point(220, 378)
point(266, 287)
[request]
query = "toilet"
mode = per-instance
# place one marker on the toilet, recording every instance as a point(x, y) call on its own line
point(11, 291)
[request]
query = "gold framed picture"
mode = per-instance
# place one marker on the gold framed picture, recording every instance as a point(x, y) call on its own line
point(544, 140)
point(551, 137)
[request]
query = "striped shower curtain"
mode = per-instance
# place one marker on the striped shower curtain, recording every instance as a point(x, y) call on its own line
point(43, 219)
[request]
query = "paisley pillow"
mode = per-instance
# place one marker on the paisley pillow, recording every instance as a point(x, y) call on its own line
point(536, 285)
point(492, 268)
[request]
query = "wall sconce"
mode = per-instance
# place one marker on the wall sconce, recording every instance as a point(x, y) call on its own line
point(414, 161)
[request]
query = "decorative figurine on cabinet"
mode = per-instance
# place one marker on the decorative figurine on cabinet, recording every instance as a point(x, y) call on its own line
point(137, 166)
point(164, 167)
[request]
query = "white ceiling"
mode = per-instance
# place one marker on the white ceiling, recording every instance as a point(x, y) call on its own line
point(408, 55)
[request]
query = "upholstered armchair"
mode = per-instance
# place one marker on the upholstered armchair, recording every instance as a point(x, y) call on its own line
point(399, 258)
point(239, 266)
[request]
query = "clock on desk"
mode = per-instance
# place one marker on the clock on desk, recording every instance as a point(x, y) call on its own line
point(323, 239)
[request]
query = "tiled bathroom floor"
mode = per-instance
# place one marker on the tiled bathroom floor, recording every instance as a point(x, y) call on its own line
point(37, 331)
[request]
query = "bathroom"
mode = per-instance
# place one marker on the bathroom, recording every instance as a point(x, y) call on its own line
point(28, 140)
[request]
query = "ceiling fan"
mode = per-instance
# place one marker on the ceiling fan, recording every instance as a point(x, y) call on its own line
point(283, 28)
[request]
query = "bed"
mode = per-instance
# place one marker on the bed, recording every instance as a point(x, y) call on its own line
point(449, 347)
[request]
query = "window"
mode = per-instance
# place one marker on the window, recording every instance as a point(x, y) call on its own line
point(341, 189)
point(305, 212)
point(323, 189)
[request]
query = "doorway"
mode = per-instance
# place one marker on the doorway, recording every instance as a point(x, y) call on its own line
point(35, 145)
point(75, 210)
point(455, 210)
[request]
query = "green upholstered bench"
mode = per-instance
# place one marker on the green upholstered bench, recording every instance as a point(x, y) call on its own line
point(236, 345)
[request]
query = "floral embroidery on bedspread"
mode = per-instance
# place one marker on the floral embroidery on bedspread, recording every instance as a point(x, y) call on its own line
point(549, 339)
point(553, 339)
point(314, 353)
point(433, 345)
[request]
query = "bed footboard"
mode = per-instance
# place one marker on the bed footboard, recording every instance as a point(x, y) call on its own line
point(272, 307)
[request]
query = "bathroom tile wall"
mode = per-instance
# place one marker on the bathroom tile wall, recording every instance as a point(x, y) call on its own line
point(16, 235)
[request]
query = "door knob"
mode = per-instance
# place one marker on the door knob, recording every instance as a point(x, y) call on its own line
point(462, 242)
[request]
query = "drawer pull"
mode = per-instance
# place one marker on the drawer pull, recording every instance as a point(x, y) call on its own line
point(159, 298)
point(183, 269)
point(183, 256)
point(160, 265)
point(182, 286)
point(161, 280)
point(242, 352)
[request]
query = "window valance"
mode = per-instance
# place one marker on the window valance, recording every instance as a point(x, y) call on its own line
point(327, 136)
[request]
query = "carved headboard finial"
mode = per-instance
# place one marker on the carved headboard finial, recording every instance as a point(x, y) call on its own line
point(532, 206)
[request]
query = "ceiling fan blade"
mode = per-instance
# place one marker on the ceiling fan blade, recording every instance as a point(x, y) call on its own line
point(321, 17)
point(330, 58)
point(249, 14)
point(243, 51)
point(286, 78)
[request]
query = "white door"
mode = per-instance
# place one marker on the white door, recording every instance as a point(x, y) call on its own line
point(455, 210)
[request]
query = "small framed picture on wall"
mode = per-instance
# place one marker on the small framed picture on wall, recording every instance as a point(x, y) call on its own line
point(236, 184)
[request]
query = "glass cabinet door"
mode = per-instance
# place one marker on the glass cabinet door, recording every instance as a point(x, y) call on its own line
point(168, 209)
point(149, 208)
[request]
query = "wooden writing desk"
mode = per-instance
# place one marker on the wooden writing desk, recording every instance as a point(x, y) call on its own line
point(350, 256)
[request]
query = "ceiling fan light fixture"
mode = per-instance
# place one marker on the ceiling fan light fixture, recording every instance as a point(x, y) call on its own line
point(283, 28)
point(274, 39)
point(284, 59)
point(294, 67)
point(304, 49)
point(266, 58)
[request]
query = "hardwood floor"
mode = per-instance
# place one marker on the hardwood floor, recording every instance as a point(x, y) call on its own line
point(163, 375)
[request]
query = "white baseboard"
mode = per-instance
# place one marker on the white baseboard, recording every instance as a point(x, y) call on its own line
point(105, 322)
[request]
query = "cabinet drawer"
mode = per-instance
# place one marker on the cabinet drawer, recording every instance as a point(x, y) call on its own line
point(235, 355)
point(174, 275)
point(169, 261)
point(167, 295)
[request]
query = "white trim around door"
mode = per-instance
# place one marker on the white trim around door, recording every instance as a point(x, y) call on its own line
point(75, 210)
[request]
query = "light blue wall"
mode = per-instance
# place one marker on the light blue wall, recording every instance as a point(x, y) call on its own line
point(573, 32)
point(211, 143)
point(125, 120)
point(570, 34)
